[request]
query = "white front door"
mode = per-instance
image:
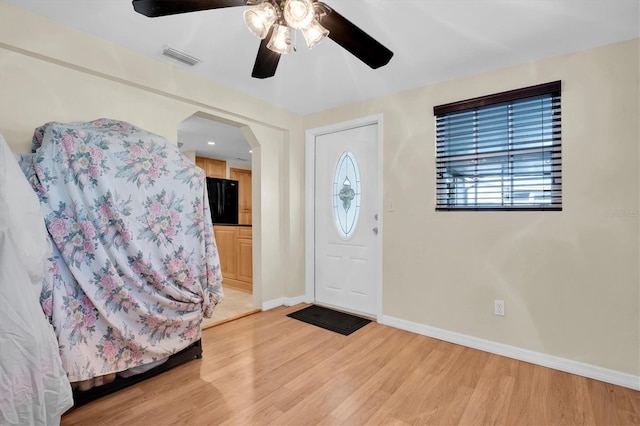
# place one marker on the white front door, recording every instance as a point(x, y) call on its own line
point(346, 219)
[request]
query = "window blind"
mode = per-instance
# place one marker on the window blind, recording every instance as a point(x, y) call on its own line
point(500, 152)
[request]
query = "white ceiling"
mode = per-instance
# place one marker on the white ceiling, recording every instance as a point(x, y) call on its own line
point(432, 41)
point(195, 134)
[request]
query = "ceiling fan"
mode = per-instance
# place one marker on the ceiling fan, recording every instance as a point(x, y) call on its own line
point(273, 20)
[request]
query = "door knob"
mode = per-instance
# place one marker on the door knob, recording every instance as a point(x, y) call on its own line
point(375, 230)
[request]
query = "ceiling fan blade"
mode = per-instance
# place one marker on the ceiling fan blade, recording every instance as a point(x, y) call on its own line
point(354, 40)
point(155, 8)
point(266, 60)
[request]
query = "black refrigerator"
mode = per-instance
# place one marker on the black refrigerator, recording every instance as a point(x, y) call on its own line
point(223, 200)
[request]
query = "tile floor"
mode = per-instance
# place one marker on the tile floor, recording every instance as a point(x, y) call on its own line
point(236, 302)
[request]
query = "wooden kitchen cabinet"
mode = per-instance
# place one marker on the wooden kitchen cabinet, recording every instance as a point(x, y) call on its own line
point(245, 255)
point(212, 167)
point(236, 257)
point(227, 241)
point(243, 177)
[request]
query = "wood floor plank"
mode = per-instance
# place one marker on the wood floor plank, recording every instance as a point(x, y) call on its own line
point(492, 394)
point(380, 378)
point(268, 369)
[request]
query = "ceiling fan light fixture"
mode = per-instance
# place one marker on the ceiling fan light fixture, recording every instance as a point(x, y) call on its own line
point(280, 41)
point(273, 21)
point(314, 33)
point(299, 13)
point(260, 18)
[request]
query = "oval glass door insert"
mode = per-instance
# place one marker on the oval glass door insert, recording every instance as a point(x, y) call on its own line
point(346, 194)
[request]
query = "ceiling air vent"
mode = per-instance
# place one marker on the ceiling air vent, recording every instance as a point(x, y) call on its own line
point(185, 58)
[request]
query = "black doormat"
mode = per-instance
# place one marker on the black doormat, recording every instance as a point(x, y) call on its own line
point(329, 319)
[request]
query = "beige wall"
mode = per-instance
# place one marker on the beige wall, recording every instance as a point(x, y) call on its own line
point(191, 155)
point(570, 279)
point(49, 72)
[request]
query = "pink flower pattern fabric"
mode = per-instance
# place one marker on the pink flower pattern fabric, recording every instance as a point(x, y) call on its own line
point(135, 265)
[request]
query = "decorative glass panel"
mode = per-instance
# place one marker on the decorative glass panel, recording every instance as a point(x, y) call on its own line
point(346, 194)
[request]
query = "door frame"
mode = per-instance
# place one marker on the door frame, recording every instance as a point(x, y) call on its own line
point(310, 173)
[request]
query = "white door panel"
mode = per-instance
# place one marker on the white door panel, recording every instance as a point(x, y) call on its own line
point(346, 198)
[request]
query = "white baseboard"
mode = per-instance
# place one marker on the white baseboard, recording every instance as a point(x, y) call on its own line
point(538, 358)
point(283, 301)
point(562, 364)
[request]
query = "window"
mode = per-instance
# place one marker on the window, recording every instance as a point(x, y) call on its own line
point(500, 152)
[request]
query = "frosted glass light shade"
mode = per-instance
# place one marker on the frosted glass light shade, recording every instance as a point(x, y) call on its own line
point(314, 33)
point(280, 40)
point(298, 13)
point(260, 18)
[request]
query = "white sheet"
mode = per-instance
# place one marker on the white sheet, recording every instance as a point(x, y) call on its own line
point(34, 389)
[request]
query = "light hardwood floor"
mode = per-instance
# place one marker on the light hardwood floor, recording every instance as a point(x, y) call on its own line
point(235, 304)
point(270, 369)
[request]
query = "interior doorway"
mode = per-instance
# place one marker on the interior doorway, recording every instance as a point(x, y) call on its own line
point(221, 150)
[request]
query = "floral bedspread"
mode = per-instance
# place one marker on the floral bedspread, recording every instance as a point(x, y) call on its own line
point(135, 265)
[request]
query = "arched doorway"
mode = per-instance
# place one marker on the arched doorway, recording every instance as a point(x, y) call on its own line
point(220, 148)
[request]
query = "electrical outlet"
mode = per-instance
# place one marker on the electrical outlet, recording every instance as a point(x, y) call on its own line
point(498, 307)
